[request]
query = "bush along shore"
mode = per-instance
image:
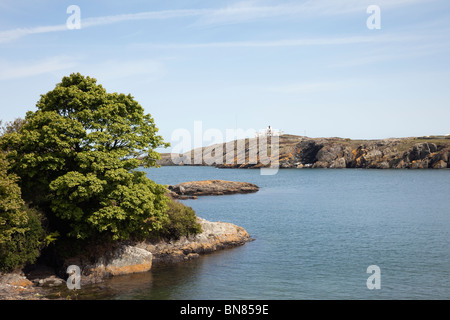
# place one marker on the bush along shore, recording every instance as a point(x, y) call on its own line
point(99, 263)
point(184, 236)
point(71, 194)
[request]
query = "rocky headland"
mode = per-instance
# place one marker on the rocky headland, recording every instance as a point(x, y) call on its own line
point(431, 152)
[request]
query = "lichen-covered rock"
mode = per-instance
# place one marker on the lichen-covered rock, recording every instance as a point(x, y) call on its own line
point(120, 259)
point(15, 286)
point(419, 164)
point(215, 236)
point(383, 165)
point(133, 257)
point(128, 259)
point(441, 164)
point(339, 163)
point(103, 262)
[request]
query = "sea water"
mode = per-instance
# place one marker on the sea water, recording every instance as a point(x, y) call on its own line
point(316, 232)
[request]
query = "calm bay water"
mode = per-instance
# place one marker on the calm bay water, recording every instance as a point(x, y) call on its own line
point(316, 231)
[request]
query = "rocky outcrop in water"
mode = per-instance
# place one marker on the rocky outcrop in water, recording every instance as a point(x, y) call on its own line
point(210, 188)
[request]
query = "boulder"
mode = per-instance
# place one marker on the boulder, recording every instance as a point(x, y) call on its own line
point(104, 263)
point(214, 236)
point(383, 165)
point(400, 164)
point(16, 286)
point(441, 164)
point(339, 163)
point(358, 159)
point(320, 164)
point(373, 155)
point(51, 281)
point(128, 259)
point(329, 153)
point(419, 164)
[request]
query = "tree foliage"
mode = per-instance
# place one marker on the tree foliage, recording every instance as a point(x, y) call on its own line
point(12, 218)
point(21, 232)
point(77, 156)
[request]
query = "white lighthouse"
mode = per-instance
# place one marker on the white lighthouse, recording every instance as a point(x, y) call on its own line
point(269, 132)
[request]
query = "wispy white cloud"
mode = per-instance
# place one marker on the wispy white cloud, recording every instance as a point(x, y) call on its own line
point(10, 70)
point(245, 11)
point(9, 35)
point(150, 15)
point(105, 70)
point(330, 41)
point(236, 13)
point(248, 10)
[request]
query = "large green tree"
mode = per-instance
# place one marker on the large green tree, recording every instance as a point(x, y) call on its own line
point(77, 156)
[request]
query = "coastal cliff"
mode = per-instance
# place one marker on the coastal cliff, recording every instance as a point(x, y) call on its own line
point(302, 152)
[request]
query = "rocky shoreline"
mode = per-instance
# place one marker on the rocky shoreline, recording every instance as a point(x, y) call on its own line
point(431, 152)
point(125, 258)
point(101, 262)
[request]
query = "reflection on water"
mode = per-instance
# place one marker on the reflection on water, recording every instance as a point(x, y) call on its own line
point(163, 282)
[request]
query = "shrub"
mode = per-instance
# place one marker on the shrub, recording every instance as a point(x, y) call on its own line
point(21, 231)
point(23, 248)
point(181, 221)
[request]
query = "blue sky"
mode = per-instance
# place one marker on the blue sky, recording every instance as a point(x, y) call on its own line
point(304, 67)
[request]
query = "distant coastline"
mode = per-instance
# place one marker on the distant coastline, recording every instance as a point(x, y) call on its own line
point(431, 152)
